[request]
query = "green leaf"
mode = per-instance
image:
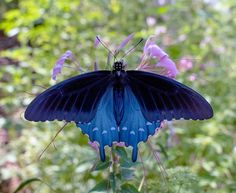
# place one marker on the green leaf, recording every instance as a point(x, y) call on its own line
point(128, 188)
point(25, 183)
point(127, 174)
point(101, 186)
point(162, 10)
point(102, 165)
point(162, 148)
point(121, 152)
point(113, 181)
point(127, 163)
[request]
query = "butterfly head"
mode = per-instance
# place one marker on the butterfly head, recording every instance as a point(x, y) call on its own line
point(119, 65)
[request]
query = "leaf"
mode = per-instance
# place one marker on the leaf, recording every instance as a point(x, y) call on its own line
point(128, 188)
point(113, 181)
point(127, 163)
point(182, 176)
point(121, 152)
point(162, 149)
point(25, 183)
point(101, 186)
point(127, 174)
point(162, 10)
point(102, 165)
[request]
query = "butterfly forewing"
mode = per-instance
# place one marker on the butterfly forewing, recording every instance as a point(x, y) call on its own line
point(74, 99)
point(162, 98)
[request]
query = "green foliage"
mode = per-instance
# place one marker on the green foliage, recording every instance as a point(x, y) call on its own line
point(202, 157)
point(100, 186)
point(25, 183)
point(128, 188)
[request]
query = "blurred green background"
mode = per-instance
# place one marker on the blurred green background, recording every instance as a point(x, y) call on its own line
point(199, 156)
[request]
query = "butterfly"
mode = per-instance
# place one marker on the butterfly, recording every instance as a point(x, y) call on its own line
point(118, 105)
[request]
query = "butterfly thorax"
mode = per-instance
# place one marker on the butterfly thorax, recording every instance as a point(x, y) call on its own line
point(118, 66)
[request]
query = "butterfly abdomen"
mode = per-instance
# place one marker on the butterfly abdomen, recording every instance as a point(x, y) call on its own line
point(118, 95)
point(118, 107)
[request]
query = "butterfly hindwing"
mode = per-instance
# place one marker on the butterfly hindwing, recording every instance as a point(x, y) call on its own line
point(103, 127)
point(162, 98)
point(134, 128)
point(74, 99)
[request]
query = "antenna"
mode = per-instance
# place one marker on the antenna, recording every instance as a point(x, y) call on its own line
point(105, 46)
point(132, 48)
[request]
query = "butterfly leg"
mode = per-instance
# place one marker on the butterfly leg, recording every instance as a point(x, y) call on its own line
point(102, 153)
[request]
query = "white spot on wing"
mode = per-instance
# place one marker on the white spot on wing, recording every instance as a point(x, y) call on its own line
point(148, 123)
point(141, 129)
point(132, 132)
point(124, 128)
point(104, 132)
point(95, 129)
point(113, 128)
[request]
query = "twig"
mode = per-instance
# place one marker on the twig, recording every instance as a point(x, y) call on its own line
point(162, 169)
point(52, 140)
point(171, 134)
point(143, 181)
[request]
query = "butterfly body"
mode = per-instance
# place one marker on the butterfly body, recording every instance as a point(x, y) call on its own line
point(118, 106)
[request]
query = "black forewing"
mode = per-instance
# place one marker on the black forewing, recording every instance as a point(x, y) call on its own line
point(74, 99)
point(162, 98)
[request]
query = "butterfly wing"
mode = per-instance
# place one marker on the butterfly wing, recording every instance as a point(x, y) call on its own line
point(74, 99)
point(162, 98)
point(103, 127)
point(134, 128)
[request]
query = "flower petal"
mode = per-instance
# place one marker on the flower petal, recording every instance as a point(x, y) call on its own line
point(93, 145)
point(96, 42)
point(119, 144)
point(168, 67)
point(59, 64)
point(155, 51)
point(185, 64)
point(150, 41)
point(124, 42)
point(165, 66)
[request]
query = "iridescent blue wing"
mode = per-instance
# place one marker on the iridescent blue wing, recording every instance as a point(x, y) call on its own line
point(103, 127)
point(162, 98)
point(74, 99)
point(134, 127)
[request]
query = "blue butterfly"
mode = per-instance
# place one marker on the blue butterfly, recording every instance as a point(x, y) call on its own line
point(118, 105)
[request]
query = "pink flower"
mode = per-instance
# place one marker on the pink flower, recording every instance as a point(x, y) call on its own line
point(192, 77)
point(150, 41)
point(151, 21)
point(155, 51)
point(185, 64)
point(93, 145)
point(164, 66)
point(168, 67)
point(59, 64)
point(119, 144)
